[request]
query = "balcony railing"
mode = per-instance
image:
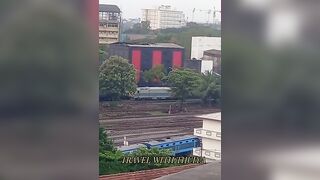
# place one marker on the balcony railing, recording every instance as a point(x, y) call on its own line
point(207, 133)
point(210, 154)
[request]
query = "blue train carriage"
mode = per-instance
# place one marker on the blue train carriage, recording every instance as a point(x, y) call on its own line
point(180, 146)
point(131, 148)
point(153, 93)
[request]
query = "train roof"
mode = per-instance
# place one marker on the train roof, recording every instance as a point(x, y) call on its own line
point(131, 147)
point(170, 140)
point(149, 45)
point(154, 88)
point(109, 8)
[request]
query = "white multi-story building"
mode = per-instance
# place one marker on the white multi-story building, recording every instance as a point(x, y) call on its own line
point(201, 44)
point(164, 17)
point(210, 135)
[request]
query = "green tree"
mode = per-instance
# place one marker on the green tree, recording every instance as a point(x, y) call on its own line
point(154, 75)
point(103, 53)
point(117, 78)
point(105, 144)
point(210, 87)
point(107, 152)
point(184, 83)
point(145, 25)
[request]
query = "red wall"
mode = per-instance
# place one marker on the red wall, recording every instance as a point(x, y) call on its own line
point(156, 58)
point(136, 61)
point(177, 59)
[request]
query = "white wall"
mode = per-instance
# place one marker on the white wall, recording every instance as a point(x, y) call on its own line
point(211, 144)
point(201, 43)
point(212, 125)
point(206, 65)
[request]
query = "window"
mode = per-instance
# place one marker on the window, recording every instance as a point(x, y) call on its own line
point(208, 133)
point(217, 155)
point(218, 134)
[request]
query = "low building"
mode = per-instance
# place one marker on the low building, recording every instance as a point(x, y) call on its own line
point(210, 133)
point(109, 23)
point(200, 44)
point(211, 61)
point(146, 56)
point(208, 51)
point(164, 17)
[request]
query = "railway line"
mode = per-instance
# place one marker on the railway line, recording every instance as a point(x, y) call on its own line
point(129, 121)
point(138, 130)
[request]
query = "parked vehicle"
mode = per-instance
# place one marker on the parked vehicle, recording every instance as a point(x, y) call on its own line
point(153, 93)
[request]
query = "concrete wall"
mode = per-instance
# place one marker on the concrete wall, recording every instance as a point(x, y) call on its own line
point(206, 65)
point(212, 125)
point(201, 43)
point(211, 144)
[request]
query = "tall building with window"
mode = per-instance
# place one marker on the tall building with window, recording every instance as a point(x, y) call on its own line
point(164, 17)
point(109, 23)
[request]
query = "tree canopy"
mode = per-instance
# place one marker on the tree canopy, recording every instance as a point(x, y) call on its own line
point(154, 75)
point(183, 82)
point(117, 78)
point(110, 159)
point(210, 87)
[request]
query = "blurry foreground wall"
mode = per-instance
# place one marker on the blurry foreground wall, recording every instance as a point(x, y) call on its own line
point(48, 94)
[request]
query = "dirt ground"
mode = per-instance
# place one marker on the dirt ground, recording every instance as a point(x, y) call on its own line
point(141, 121)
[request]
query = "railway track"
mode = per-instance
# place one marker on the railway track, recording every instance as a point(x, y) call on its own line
point(135, 120)
point(138, 130)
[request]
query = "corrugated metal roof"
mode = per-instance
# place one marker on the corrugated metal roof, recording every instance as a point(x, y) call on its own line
point(108, 8)
point(156, 45)
point(212, 52)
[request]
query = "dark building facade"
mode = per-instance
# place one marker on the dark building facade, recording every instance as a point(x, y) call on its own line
point(146, 56)
point(193, 64)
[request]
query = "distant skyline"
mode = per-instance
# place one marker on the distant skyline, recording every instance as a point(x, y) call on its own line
point(133, 8)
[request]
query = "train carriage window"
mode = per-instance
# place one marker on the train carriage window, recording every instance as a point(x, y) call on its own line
point(180, 142)
point(167, 145)
point(173, 143)
point(161, 146)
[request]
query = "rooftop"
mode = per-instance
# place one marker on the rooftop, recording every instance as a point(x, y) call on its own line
point(212, 52)
point(210, 171)
point(109, 8)
point(147, 174)
point(155, 45)
point(212, 116)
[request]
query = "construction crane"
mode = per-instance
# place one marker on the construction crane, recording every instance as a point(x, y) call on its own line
point(209, 12)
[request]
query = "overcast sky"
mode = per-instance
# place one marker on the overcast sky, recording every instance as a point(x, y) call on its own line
point(132, 8)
